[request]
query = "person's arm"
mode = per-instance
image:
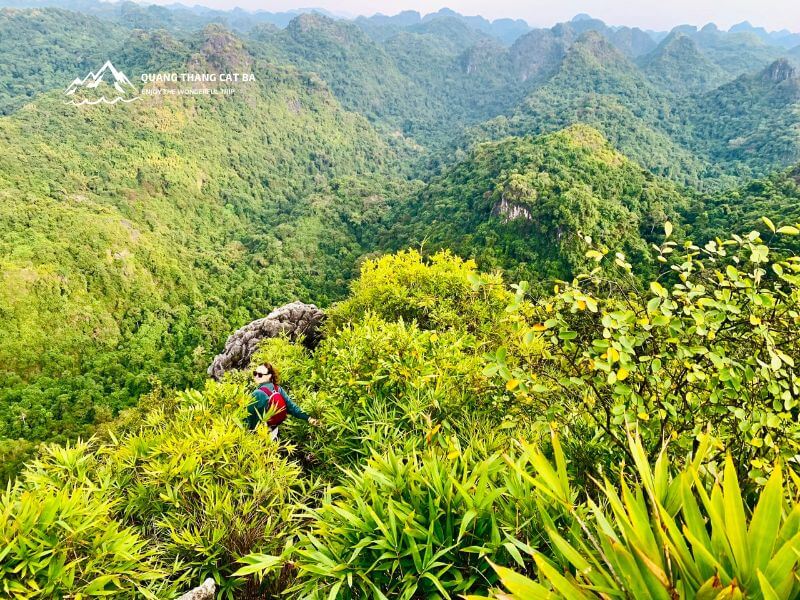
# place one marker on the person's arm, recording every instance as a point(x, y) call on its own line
point(256, 408)
point(292, 408)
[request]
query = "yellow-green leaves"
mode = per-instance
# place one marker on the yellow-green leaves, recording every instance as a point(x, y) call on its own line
point(788, 230)
point(423, 524)
point(658, 289)
point(658, 541)
point(759, 253)
point(694, 346)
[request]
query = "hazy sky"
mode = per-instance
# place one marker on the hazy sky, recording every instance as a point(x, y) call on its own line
point(651, 14)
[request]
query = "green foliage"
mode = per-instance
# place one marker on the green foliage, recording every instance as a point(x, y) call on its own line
point(356, 69)
point(46, 49)
point(749, 123)
point(417, 525)
point(742, 127)
point(594, 84)
point(428, 485)
point(208, 490)
point(743, 209)
point(436, 293)
point(64, 541)
point(667, 533)
point(524, 203)
point(182, 496)
point(678, 65)
point(711, 348)
point(116, 278)
point(134, 238)
point(402, 356)
point(378, 385)
point(420, 85)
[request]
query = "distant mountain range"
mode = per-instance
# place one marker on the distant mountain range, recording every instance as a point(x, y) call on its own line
point(693, 104)
point(380, 26)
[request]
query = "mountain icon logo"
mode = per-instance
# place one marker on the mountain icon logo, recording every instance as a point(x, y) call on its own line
point(107, 86)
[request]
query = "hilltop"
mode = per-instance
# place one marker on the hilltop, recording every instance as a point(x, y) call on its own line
point(525, 204)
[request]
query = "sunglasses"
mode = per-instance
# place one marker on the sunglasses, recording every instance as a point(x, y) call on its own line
point(261, 374)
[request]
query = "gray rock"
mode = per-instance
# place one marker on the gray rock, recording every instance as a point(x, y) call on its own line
point(203, 592)
point(294, 319)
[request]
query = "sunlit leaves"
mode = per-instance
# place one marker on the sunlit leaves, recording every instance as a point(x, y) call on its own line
point(709, 343)
point(681, 534)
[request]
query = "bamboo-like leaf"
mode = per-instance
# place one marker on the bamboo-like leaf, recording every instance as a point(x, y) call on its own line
point(561, 464)
point(520, 586)
point(561, 584)
point(257, 563)
point(735, 526)
point(468, 517)
point(766, 589)
point(764, 526)
point(783, 561)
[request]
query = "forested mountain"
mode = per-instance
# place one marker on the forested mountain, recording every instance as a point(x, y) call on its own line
point(174, 17)
point(524, 205)
point(594, 83)
point(783, 38)
point(742, 208)
point(358, 70)
point(752, 121)
point(736, 53)
point(145, 232)
point(560, 281)
point(436, 80)
point(37, 47)
point(385, 110)
point(424, 82)
point(678, 65)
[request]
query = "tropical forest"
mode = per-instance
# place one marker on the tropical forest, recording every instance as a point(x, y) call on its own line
point(307, 305)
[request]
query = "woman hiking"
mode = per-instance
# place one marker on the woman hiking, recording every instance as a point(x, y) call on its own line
point(271, 397)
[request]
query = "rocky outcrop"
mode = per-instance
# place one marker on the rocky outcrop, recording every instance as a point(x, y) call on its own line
point(295, 320)
point(779, 71)
point(203, 592)
point(510, 211)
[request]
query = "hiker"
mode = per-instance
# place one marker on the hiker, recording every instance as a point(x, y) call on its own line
point(269, 395)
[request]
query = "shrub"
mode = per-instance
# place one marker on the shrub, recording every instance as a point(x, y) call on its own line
point(436, 293)
point(58, 540)
point(190, 491)
point(206, 489)
point(420, 525)
point(710, 345)
point(379, 385)
point(663, 534)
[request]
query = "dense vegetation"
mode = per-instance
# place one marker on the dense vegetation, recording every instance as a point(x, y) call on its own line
point(524, 204)
point(429, 374)
point(134, 238)
point(444, 81)
point(561, 277)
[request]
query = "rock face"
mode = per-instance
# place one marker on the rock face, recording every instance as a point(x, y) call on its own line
point(779, 71)
point(510, 211)
point(204, 592)
point(294, 319)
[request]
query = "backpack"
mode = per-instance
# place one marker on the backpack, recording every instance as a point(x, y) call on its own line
point(277, 403)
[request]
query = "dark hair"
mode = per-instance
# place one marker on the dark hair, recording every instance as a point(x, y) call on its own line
point(273, 371)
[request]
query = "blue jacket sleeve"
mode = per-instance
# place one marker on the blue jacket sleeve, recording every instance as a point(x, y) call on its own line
point(292, 408)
